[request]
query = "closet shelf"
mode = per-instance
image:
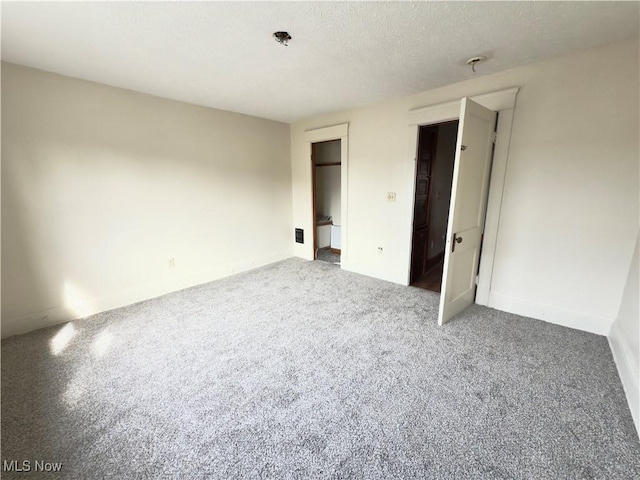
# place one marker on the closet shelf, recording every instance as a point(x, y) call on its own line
point(332, 164)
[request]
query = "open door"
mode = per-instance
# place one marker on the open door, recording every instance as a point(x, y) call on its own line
point(474, 152)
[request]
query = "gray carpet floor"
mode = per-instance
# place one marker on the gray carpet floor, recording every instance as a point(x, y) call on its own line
point(326, 255)
point(258, 376)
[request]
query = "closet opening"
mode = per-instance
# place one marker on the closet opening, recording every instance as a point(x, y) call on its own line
point(327, 170)
point(434, 177)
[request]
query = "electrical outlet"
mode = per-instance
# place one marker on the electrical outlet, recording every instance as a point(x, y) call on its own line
point(172, 262)
point(391, 197)
point(380, 250)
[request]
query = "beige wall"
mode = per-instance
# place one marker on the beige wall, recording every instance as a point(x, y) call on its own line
point(101, 187)
point(570, 208)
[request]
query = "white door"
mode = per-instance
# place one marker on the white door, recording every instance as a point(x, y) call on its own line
point(474, 151)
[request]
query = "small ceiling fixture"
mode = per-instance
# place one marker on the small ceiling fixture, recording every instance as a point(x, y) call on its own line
point(474, 60)
point(282, 37)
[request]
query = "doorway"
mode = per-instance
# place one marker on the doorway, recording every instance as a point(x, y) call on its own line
point(434, 175)
point(327, 204)
point(481, 158)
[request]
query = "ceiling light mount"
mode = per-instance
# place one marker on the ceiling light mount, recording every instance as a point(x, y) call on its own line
point(473, 61)
point(282, 38)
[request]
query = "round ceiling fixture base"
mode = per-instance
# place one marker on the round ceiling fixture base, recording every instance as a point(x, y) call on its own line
point(474, 60)
point(282, 38)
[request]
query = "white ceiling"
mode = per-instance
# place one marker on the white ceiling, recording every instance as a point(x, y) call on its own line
point(343, 54)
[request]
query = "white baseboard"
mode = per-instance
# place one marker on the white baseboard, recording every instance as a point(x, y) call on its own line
point(61, 314)
point(629, 372)
point(548, 313)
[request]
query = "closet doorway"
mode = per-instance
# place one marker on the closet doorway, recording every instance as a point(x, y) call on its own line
point(327, 206)
point(434, 176)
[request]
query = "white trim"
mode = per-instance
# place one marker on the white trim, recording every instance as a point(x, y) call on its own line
point(412, 155)
point(443, 112)
point(327, 133)
point(335, 132)
point(628, 371)
point(504, 102)
point(549, 313)
point(35, 321)
point(494, 206)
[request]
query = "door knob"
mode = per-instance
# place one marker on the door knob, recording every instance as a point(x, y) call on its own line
point(456, 239)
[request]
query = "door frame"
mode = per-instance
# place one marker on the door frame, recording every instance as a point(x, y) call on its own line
point(438, 125)
point(314, 193)
point(325, 134)
point(503, 102)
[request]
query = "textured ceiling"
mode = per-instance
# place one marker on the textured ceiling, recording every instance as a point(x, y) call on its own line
point(343, 54)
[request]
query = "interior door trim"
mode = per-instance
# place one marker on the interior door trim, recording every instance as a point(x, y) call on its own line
point(503, 102)
point(334, 132)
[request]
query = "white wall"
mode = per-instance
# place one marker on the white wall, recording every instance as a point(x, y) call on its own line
point(624, 338)
point(570, 207)
point(101, 187)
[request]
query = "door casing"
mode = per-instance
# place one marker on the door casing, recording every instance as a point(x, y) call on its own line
point(503, 102)
point(468, 203)
point(317, 135)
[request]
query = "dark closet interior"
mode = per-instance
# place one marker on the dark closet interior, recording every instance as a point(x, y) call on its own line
point(434, 176)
